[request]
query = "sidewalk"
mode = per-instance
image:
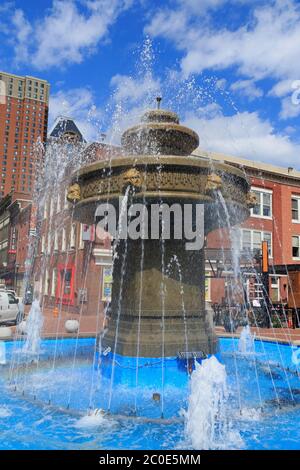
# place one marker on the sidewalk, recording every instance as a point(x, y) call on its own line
point(90, 326)
point(55, 326)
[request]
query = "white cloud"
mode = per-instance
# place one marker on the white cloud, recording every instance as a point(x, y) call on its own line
point(173, 22)
point(6, 9)
point(247, 136)
point(267, 46)
point(290, 130)
point(23, 35)
point(289, 109)
point(247, 88)
point(282, 88)
point(134, 90)
point(286, 90)
point(66, 34)
point(131, 97)
point(221, 84)
point(77, 104)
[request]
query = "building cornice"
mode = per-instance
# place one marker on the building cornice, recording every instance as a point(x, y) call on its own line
point(255, 169)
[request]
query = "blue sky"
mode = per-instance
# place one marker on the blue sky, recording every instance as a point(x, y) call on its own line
point(231, 68)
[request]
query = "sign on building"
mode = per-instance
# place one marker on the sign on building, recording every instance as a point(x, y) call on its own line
point(107, 284)
point(13, 241)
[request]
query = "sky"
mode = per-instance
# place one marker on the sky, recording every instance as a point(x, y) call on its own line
point(230, 68)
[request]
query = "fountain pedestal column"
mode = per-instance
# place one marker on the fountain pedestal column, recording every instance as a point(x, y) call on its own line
point(158, 303)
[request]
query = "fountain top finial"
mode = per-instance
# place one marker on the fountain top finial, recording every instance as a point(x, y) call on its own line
point(159, 133)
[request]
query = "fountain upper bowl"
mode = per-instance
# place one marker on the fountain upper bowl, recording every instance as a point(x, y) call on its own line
point(159, 133)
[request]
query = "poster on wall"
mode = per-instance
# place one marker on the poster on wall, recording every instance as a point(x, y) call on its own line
point(207, 287)
point(107, 284)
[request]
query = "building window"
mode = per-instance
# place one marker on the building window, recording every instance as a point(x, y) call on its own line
point(275, 293)
point(49, 244)
point(81, 242)
point(46, 282)
point(65, 200)
point(295, 208)
point(45, 209)
point(51, 207)
point(252, 239)
point(296, 246)
point(55, 241)
point(58, 208)
point(64, 240)
point(54, 282)
point(264, 203)
point(43, 244)
point(73, 236)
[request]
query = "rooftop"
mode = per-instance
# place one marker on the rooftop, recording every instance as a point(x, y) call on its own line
point(249, 164)
point(65, 126)
point(22, 77)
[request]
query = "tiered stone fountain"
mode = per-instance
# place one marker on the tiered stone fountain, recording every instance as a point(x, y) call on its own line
point(156, 163)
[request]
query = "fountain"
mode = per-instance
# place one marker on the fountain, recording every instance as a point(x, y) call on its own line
point(34, 326)
point(206, 420)
point(2, 353)
point(155, 376)
point(247, 341)
point(156, 166)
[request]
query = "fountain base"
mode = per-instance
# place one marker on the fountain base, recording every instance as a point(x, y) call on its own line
point(158, 307)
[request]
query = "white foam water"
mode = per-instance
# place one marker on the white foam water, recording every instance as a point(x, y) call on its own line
point(92, 420)
point(34, 326)
point(246, 342)
point(250, 414)
point(5, 412)
point(206, 420)
point(2, 353)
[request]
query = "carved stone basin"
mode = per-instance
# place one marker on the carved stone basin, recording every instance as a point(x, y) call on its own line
point(162, 178)
point(157, 311)
point(159, 134)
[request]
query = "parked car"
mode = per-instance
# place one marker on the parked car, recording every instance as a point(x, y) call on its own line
point(9, 308)
point(11, 291)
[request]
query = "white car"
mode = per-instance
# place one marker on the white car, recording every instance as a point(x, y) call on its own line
point(10, 291)
point(9, 308)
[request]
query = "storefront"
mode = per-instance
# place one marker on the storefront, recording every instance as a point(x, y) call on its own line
point(65, 290)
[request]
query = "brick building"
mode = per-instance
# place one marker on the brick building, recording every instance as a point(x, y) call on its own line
point(23, 124)
point(23, 121)
point(15, 221)
point(72, 269)
point(276, 219)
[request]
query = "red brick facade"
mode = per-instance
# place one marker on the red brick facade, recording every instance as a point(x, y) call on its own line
point(278, 228)
point(24, 120)
point(69, 263)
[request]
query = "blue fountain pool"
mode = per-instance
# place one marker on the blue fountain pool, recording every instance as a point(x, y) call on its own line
point(42, 403)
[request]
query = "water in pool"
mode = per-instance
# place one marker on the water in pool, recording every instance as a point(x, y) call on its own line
point(58, 401)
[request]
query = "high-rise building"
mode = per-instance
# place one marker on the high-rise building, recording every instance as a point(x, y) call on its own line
point(23, 122)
